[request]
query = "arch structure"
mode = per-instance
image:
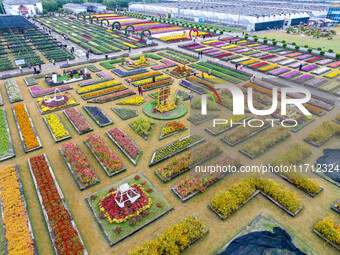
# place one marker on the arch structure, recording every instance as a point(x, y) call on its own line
point(116, 23)
point(101, 22)
point(126, 29)
point(143, 33)
point(193, 30)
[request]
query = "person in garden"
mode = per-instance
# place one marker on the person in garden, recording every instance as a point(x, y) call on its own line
point(241, 67)
point(236, 66)
point(195, 71)
point(209, 72)
point(202, 75)
point(252, 78)
point(300, 67)
point(20, 68)
point(35, 70)
point(141, 91)
point(53, 62)
point(129, 81)
point(153, 78)
point(29, 65)
point(39, 65)
point(190, 95)
point(129, 49)
point(64, 71)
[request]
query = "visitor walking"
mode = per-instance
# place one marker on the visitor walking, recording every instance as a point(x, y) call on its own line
point(87, 56)
point(64, 71)
point(53, 62)
point(195, 71)
point(129, 81)
point(236, 66)
point(201, 54)
point(129, 49)
point(68, 61)
point(300, 67)
point(35, 70)
point(139, 89)
point(153, 78)
point(252, 78)
point(209, 72)
point(190, 95)
point(202, 76)
point(20, 68)
point(29, 65)
point(39, 65)
point(241, 67)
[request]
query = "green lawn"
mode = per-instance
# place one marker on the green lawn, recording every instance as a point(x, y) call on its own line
point(305, 40)
point(61, 78)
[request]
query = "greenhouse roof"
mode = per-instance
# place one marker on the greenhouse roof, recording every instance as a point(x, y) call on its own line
point(13, 21)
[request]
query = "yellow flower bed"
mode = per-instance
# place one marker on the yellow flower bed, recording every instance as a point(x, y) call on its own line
point(132, 100)
point(229, 47)
point(249, 62)
point(333, 74)
point(211, 41)
point(166, 108)
point(141, 82)
point(242, 41)
point(14, 214)
point(97, 86)
point(56, 126)
point(266, 68)
point(173, 37)
point(131, 45)
point(253, 45)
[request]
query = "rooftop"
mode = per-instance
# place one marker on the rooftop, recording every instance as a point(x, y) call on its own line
point(20, 2)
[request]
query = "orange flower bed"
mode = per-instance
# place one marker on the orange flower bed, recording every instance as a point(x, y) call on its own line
point(104, 91)
point(145, 75)
point(15, 219)
point(26, 127)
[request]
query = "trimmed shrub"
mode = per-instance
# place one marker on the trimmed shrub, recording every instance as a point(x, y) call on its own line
point(322, 52)
point(337, 55)
point(310, 50)
point(274, 43)
point(265, 40)
point(330, 50)
point(284, 45)
point(293, 43)
point(297, 47)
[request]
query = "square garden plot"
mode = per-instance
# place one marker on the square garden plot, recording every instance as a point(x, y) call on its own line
point(119, 223)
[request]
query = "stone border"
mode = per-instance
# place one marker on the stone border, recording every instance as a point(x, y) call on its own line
point(245, 138)
point(101, 163)
point(97, 122)
point(318, 144)
point(74, 125)
point(252, 157)
point(336, 246)
point(336, 121)
point(202, 121)
point(150, 130)
point(33, 128)
point(52, 134)
point(226, 129)
point(170, 134)
point(111, 99)
point(120, 116)
point(59, 109)
point(60, 193)
point(137, 229)
point(176, 152)
point(334, 208)
point(188, 169)
point(134, 161)
point(29, 224)
point(80, 185)
point(232, 212)
point(107, 93)
point(1, 100)
point(9, 138)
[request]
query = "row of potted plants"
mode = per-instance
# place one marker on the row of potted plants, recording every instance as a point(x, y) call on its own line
point(79, 166)
point(62, 229)
point(15, 217)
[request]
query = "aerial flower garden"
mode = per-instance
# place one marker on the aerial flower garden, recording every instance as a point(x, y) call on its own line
point(141, 153)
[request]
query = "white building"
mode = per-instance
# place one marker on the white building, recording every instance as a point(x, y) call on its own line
point(75, 8)
point(94, 7)
point(22, 7)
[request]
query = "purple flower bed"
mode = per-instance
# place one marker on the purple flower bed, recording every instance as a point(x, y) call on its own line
point(296, 65)
point(315, 82)
point(283, 52)
point(104, 75)
point(302, 57)
point(279, 71)
point(260, 47)
point(268, 57)
point(196, 47)
point(190, 45)
point(246, 43)
point(299, 120)
point(259, 54)
point(222, 45)
point(325, 61)
point(36, 90)
point(167, 63)
point(303, 78)
point(274, 60)
point(215, 43)
point(290, 74)
point(216, 53)
point(269, 48)
point(308, 68)
point(243, 50)
point(236, 48)
point(122, 73)
point(210, 50)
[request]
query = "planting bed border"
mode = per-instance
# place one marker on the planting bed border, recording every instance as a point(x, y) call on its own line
point(75, 127)
point(132, 104)
point(120, 116)
point(111, 99)
point(9, 138)
point(143, 136)
point(33, 128)
point(107, 93)
point(22, 193)
point(99, 124)
point(60, 193)
point(258, 154)
point(336, 121)
point(134, 161)
point(245, 138)
point(80, 185)
point(59, 109)
point(175, 153)
point(123, 76)
point(51, 132)
point(334, 208)
point(336, 246)
point(137, 229)
point(102, 165)
point(94, 90)
point(318, 144)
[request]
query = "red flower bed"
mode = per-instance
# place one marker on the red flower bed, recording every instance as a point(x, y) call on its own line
point(223, 55)
point(314, 59)
point(267, 57)
point(67, 239)
point(115, 214)
point(258, 65)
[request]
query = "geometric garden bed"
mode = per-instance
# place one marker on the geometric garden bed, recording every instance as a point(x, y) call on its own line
point(119, 223)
